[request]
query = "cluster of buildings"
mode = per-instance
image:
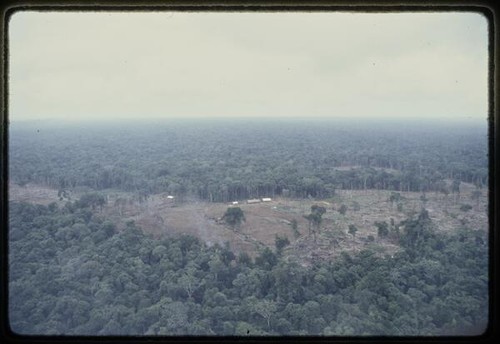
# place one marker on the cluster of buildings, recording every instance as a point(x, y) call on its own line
point(255, 200)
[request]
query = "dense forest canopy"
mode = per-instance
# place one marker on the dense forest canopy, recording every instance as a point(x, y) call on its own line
point(222, 160)
point(72, 273)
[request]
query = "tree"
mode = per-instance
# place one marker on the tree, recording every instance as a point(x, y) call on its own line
point(62, 193)
point(234, 216)
point(423, 198)
point(281, 242)
point(174, 318)
point(382, 229)
point(295, 230)
point(352, 230)
point(115, 285)
point(465, 207)
point(394, 229)
point(264, 308)
point(244, 259)
point(315, 218)
point(316, 209)
point(91, 200)
point(395, 197)
point(189, 282)
point(417, 233)
point(343, 209)
point(267, 259)
point(455, 189)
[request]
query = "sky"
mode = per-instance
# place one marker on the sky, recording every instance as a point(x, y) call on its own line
point(155, 65)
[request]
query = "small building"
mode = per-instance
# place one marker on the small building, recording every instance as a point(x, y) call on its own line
point(235, 203)
point(266, 200)
point(251, 201)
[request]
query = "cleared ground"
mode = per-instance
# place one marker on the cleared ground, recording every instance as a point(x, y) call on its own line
point(159, 215)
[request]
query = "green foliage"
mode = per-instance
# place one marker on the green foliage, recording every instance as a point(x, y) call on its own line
point(264, 308)
point(281, 242)
point(62, 194)
point(318, 210)
point(465, 207)
point(343, 209)
point(395, 197)
point(424, 198)
point(418, 233)
point(295, 229)
point(218, 161)
point(267, 259)
point(92, 200)
point(234, 216)
point(382, 229)
point(315, 218)
point(74, 274)
point(352, 230)
point(244, 259)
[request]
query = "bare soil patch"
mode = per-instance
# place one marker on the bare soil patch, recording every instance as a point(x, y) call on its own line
point(33, 193)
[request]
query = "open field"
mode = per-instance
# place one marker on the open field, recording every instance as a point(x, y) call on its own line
point(159, 215)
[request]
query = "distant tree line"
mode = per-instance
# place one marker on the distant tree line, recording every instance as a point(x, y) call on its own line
point(222, 161)
point(73, 273)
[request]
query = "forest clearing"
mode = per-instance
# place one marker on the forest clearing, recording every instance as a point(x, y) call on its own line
point(159, 216)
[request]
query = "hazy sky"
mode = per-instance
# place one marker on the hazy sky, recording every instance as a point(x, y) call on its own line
point(88, 65)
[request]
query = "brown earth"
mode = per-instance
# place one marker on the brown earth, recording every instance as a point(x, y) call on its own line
point(33, 194)
point(159, 216)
